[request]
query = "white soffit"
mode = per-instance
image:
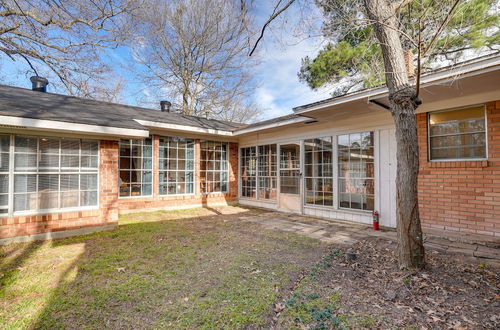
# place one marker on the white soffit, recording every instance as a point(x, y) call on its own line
point(43, 124)
point(183, 128)
point(272, 125)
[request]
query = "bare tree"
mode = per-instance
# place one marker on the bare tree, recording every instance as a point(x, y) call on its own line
point(194, 53)
point(398, 30)
point(63, 38)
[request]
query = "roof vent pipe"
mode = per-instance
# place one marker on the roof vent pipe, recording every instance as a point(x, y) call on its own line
point(165, 106)
point(39, 84)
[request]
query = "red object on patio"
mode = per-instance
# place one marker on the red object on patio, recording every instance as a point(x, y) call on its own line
point(375, 220)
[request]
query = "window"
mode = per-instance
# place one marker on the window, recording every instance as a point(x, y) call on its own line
point(267, 171)
point(4, 173)
point(214, 166)
point(53, 173)
point(356, 171)
point(136, 163)
point(318, 171)
point(248, 172)
point(457, 134)
point(176, 166)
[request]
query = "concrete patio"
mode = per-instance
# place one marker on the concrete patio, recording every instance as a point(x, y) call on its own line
point(347, 233)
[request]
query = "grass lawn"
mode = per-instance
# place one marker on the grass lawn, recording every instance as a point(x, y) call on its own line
point(200, 268)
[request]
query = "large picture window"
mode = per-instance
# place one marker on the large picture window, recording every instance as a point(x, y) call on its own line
point(249, 172)
point(356, 171)
point(136, 164)
point(176, 166)
point(458, 134)
point(54, 173)
point(214, 166)
point(267, 171)
point(318, 171)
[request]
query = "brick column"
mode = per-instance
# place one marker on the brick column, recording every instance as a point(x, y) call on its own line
point(233, 169)
point(108, 181)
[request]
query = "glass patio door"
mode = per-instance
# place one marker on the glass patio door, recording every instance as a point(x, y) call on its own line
point(290, 177)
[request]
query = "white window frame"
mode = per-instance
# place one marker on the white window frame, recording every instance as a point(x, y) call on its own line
point(142, 170)
point(11, 175)
point(226, 161)
point(429, 158)
point(336, 172)
point(165, 171)
point(257, 183)
point(333, 141)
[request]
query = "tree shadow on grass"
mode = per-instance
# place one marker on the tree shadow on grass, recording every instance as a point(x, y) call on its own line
point(125, 278)
point(140, 275)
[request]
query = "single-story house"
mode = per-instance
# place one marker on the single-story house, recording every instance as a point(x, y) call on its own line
point(70, 165)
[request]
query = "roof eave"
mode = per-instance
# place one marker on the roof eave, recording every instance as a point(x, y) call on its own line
point(439, 77)
point(54, 125)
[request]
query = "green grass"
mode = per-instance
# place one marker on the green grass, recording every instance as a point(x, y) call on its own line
point(178, 269)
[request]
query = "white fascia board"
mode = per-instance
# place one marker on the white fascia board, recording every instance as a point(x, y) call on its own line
point(440, 77)
point(273, 125)
point(53, 125)
point(184, 128)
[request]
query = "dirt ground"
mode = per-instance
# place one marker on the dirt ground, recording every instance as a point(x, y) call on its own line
point(453, 292)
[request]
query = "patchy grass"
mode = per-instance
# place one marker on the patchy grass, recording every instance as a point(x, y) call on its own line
point(198, 268)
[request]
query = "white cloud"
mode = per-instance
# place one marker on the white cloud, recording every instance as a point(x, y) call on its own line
point(280, 89)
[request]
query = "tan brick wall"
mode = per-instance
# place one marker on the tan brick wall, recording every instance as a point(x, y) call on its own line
point(158, 202)
point(464, 195)
point(107, 214)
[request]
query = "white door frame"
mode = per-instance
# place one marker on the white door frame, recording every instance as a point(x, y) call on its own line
point(300, 209)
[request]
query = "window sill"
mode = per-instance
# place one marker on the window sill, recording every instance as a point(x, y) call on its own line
point(458, 164)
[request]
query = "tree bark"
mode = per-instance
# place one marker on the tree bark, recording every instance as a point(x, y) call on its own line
point(403, 103)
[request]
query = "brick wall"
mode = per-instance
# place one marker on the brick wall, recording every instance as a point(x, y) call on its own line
point(197, 199)
point(107, 214)
point(464, 195)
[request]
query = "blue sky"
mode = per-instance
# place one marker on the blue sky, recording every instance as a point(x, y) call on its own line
point(279, 88)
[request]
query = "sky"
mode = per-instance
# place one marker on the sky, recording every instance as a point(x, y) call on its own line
point(278, 91)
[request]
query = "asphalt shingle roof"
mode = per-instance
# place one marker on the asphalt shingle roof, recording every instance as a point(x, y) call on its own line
point(21, 102)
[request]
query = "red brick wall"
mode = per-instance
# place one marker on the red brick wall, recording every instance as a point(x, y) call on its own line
point(462, 196)
point(107, 214)
point(158, 202)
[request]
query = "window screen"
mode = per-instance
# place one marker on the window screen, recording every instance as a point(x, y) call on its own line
point(249, 172)
point(54, 173)
point(214, 166)
point(458, 134)
point(356, 171)
point(267, 171)
point(136, 168)
point(176, 166)
point(318, 171)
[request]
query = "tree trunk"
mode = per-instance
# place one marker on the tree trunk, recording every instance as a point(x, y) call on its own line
point(403, 103)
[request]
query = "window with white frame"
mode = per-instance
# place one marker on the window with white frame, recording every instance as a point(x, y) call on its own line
point(53, 173)
point(136, 168)
point(213, 166)
point(249, 172)
point(318, 171)
point(267, 171)
point(457, 134)
point(176, 166)
point(4, 173)
point(356, 171)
